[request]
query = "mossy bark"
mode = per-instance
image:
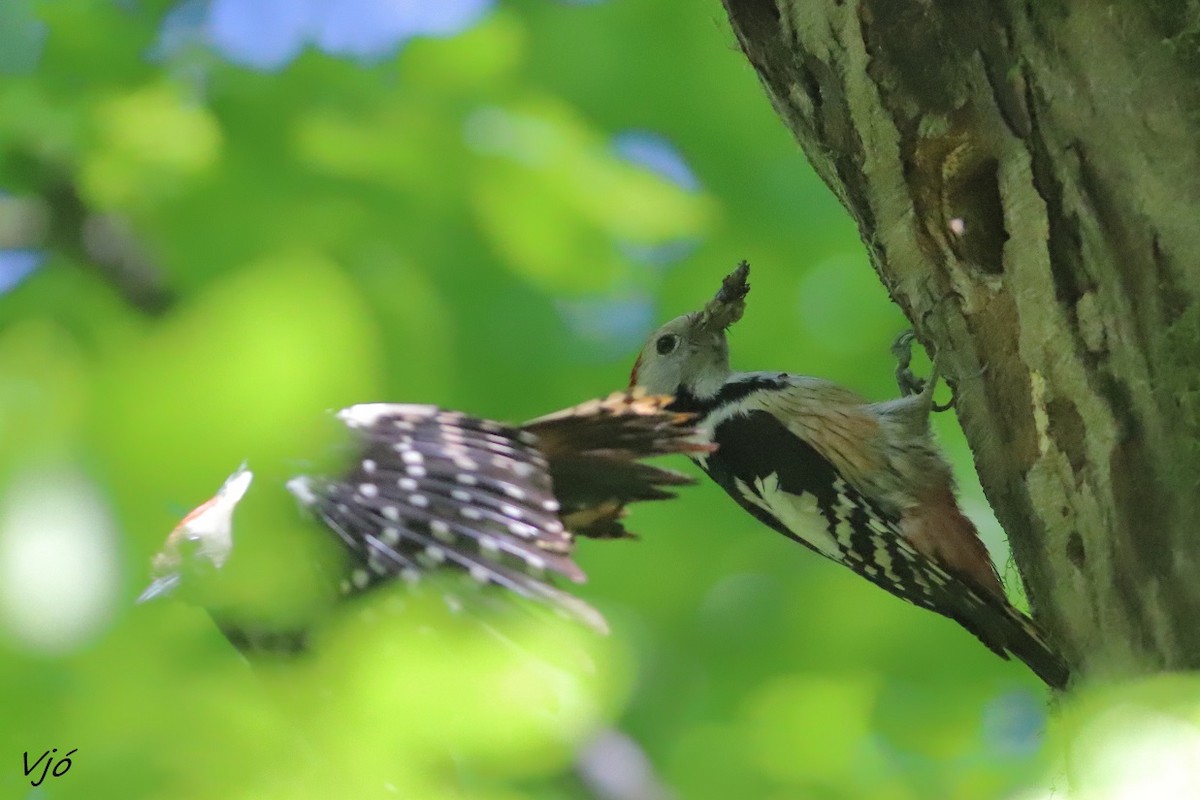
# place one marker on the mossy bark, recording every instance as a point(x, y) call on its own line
point(1026, 177)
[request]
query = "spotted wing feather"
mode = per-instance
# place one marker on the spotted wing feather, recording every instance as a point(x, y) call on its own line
point(439, 490)
point(463, 459)
point(412, 548)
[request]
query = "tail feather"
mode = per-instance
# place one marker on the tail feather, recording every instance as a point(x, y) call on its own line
point(1006, 631)
point(993, 620)
point(925, 580)
point(591, 478)
point(629, 422)
point(594, 453)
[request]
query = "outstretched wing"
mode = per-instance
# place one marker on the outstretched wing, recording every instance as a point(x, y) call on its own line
point(440, 490)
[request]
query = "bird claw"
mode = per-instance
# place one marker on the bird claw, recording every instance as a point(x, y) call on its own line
point(908, 382)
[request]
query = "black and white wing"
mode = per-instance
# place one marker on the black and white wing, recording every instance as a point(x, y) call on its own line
point(440, 490)
point(787, 484)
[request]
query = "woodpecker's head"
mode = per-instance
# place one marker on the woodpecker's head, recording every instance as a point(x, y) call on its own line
point(690, 354)
point(201, 542)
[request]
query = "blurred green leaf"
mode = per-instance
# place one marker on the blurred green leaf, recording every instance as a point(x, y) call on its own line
point(831, 715)
point(149, 140)
point(556, 201)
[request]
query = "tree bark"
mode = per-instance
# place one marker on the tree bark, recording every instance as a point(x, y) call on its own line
point(1026, 177)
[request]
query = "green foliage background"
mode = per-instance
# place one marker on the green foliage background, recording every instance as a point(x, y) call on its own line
point(422, 229)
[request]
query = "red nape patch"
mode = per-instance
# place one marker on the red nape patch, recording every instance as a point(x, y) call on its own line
point(633, 373)
point(195, 512)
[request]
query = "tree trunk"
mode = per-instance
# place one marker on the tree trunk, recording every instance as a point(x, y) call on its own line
point(1026, 176)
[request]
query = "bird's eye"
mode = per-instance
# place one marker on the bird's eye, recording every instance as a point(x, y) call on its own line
point(666, 344)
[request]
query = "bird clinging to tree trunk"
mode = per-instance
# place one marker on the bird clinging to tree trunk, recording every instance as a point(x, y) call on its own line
point(861, 483)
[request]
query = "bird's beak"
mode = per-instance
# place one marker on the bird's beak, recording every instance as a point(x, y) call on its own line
point(729, 303)
point(202, 540)
point(160, 587)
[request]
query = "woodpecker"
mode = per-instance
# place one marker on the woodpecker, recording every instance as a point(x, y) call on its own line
point(437, 492)
point(860, 483)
